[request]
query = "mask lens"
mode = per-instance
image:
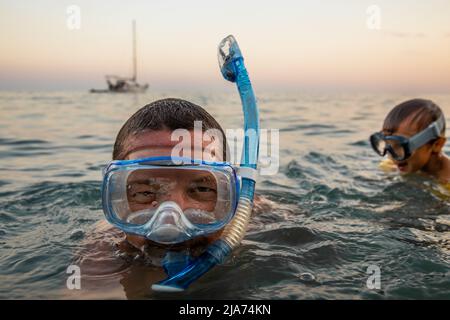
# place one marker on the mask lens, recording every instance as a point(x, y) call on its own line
point(378, 144)
point(205, 196)
point(396, 149)
point(381, 147)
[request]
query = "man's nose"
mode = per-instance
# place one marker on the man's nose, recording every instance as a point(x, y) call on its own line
point(178, 197)
point(168, 218)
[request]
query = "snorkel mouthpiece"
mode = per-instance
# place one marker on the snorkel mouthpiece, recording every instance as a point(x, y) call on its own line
point(233, 69)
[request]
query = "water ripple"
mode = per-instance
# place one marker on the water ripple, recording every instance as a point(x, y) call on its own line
point(327, 215)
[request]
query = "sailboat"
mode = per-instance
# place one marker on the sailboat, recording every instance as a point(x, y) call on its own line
point(124, 84)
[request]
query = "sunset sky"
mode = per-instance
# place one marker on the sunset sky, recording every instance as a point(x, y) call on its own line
point(292, 45)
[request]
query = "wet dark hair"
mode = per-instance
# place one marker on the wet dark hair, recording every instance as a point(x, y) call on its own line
point(171, 114)
point(419, 112)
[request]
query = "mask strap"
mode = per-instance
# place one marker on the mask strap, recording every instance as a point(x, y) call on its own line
point(433, 131)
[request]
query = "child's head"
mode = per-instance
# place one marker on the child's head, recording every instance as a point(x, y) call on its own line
point(408, 119)
point(149, 133)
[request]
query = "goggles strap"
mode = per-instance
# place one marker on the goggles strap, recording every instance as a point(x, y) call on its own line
point(247, 172)
point(433, 131)
point(440, 123)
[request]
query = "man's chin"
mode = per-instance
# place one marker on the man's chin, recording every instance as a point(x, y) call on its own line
point(141, 242)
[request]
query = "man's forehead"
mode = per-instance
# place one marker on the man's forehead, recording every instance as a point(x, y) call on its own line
point(149, 139)
point(145, 175)
point(162, 143)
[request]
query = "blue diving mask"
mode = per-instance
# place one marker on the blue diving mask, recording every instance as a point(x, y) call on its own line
point(401, 148)
point(169, 200)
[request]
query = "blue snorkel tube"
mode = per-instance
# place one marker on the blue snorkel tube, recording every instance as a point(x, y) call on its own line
point(233, 69)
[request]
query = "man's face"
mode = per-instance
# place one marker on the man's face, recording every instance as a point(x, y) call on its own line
point(188, 190)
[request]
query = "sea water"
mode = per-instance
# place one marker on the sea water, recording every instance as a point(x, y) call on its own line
point(331, 225)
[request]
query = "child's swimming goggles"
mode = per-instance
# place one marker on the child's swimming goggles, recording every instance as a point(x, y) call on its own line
point(169, 200)
point(401, 148)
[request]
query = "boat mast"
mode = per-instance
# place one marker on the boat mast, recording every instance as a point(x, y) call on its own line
point(134, 51)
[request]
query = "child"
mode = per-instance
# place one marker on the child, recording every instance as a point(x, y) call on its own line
point(413, 136)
